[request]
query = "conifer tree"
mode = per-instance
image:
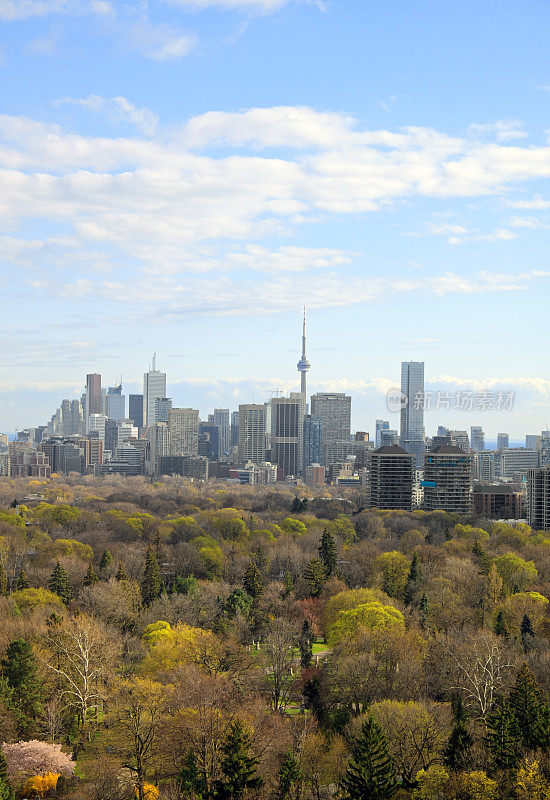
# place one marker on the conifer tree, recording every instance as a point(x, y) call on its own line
point(289, 778)
point(500, 627)
point(238, 767)
point(457, 753)
point(413, 579)
point(60, 584)
point(151, 585)
point(22, 581)
point(6, 792)
point(192, 782)
point(121, 574)
point(260, 558)
point(370, 773)
point(305, 643)
point(90, 576)
point(527, 634)
point(252, 580)
point(484, 560)
point(502, 740)
point(20, 671)
point(530, 711)
point(3, 580)
point(106, 559)
point(328, 553)
point(315, 576)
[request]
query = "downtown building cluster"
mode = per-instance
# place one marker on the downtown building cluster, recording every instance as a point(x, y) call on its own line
point(294, 439)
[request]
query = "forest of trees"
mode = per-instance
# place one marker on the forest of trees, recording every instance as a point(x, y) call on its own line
point(166, 641)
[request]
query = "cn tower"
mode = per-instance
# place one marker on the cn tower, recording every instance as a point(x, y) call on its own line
point(303, 364)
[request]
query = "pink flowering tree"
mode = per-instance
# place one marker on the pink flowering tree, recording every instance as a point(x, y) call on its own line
point(26, 759)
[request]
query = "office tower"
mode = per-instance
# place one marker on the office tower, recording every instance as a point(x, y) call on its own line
point(334, 411)
point(313, 441)
point(126, 430)
point(93, 395)
point(209, 441)
point(389, 478)
point(544, 448)
point(96, 450)
point(221, 419)
point(532, 441)
point(115, 403)
point(234, 429)
point(441, 430)
point(184, 431)
point(303, 364)
point(252, 433)
point(96, 422)
point(448, 481)
point(538, 498)
point(477, 439)
point(154, 385)
point(287, 432)
point(158, 435)
point(517, 461)
point(135, 409)
point(162, 408)
point(460, 439)
point(381, 425)
point(412, 410)
point(503, 441)
point(484, 466)
point(388, 437)
point(111, 436)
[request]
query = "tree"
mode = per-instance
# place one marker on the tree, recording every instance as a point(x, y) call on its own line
point(121, 574)
point(305, 643)
point(395, 568)
point(90, 576)
point(500, 625)
point(277, 660)
point(290, 778)
point(530, 782)
point(151, 585)
point(3, 584)
point(252, 580)
point(238, 767)
point(315, 576)
point(370, 773)
point(413, 580)
point(527, 634)
point(530, 711)
point(458, 753)
point(60, 584)
point(481, 670)
point(34, 757)
point(328, 553)
point(192, 781)
point(433, 784)
point(20, 670)
point(368, 615)
point(106, 559)
point(6, 791)
point(501, 740)
point(22, 581)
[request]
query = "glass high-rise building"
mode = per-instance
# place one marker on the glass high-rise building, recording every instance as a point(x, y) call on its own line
point(334, 411)
point(154, 385)
point(313, 440)
point(412, 410)
point(135, 409)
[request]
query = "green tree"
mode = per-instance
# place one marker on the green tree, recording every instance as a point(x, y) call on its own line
point(252, 580)
point(3, 580)
point(305, 643)
point(6, 792)
point(370, 774)
point(106, 559)
point(527, 634)
point(458, 752)
point(192, 782)
point(60, 584)
point(530, 711)
point(395, 568)
point(289, 778)
point(90, 576)
point(483, 559)
point(238, 767)
point(328, 553)
point(151, 585)
point(22, 581)
point(413, 580)
point(500, 627)
point(315, 576)
point(502, 740)
point(20, 671)
point(121, 574)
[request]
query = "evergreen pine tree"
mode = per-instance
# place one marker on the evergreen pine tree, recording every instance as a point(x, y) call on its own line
point(22, 581)
point(502, 740)
point(413, 580)
point(500, 625)
point(289, 777)
point(457, 753)
point(59, 583)
point(305, 643)
point(20, 671)
point(288, 583)
point(121, 574)
point(6, 792)
point(106, 559)
point(90, 576)
point(370, 773)
point(315, 576)
point(328, 553)
point(260, 558)
point(483, 559)
point(527, 634)
point(238, 767)
point(296, 506)
point(530, 711)
point(252, 580)
point(192, 782)
point(423, 608)
point(3, 580)
point(151, 585)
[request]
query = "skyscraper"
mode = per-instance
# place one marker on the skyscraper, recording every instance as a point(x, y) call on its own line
point(313, 440)
point(184, 431)
point(448, 480)
point(287, 432)
point(334, 411)
point(412, 410)
point(251, 431)
point(154, 385)
point(303, 364)
point(381, 425)
point(389, 478)
point(93, 395)
point(221, 419)
point(135, 409)
point(115, 403)
point(503, 441)
point(477, 438)
point(162, 408)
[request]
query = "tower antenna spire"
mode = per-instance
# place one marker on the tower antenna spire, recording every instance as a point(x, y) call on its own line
point(303, 364)
point(155, 361)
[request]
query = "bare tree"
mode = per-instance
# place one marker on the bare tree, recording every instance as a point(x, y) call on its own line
point(481, 669)
point(277, 659)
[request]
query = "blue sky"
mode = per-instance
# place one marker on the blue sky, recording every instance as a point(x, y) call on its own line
point(183, 175)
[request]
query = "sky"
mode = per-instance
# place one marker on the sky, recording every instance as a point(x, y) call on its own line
point(185, 175)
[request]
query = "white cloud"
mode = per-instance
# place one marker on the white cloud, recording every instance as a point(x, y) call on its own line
point(11, 10)
point(117, 108)
point(536, 203)
point(160, 42)
point(504, 129)
point(264, 6)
